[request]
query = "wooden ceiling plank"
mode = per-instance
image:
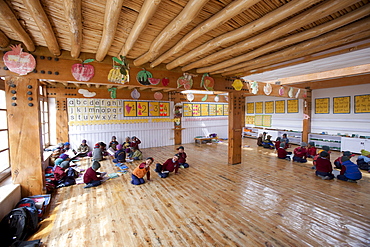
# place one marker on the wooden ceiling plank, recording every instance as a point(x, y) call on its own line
point(77, 85)
point(237, 34)
point(235, 63)
point(4, 41)
point(146, 13)
point(347, 34)
point(72, 12)
point(231, 10)
point(36, 10)
point(187, 15)
point(112, 11)
point(11, 20)
point(320, 11)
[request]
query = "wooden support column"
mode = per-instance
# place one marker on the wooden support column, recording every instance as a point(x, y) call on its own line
point(177, 125)
point(62, 120)
point(307, 107)
point(236, 124)
point(25, 134)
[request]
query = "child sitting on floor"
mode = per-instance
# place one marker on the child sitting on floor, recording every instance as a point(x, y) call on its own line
point(282, 153)
point(97, 153)
point(300, 153)
point(83, 149)
point(120, 155)
point(127, 144)
point(323, 166)
point(363, 161)
point(323, 148)
point(268, 143)
point(135, 142)
point(135, 154)
point(140, 171)
point(64, 175)
point(93, 178)
point(182, 157)
point(311, 150)
point(58, 161)
point(260, 140)
point(277, 143)
point(338, 161)
point(350, 171)
point(170, 165)
point(113, 144)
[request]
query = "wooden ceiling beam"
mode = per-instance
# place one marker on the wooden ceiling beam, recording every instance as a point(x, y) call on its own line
point(238, 34)
point(73, 16)
point(77, 85)
point(156, 89)
point(120, 87)
point(4, 41)
point(97, 85)
point(65, 84)
point(146, 13)
point(234, 63)
point(187, 15)
point(143, 88)
point(231, 10)
point(320, 11)
point(88, 85)
point(347, 34)
point(11, 20)
point(42, 21)
point(112, 11)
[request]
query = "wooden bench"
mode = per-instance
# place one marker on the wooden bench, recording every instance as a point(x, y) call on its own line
point(202, 140)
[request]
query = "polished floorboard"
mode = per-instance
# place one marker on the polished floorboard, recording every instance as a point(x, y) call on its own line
point(264, 201)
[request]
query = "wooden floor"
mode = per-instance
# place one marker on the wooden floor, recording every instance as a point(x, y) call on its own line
point(262, 202)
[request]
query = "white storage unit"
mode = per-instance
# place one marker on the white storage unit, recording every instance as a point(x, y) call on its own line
point(252, 133)
point(354, 144)
point(334, 142)
point(294, 137)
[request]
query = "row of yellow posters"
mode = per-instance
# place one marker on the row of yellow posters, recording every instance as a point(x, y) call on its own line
point(257, 107)
point(146, 109)
point(342, 105)
point(198, 110)
point(259, 120)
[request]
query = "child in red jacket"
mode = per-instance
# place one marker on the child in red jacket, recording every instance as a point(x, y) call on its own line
point(311, 150)
point(93, 178)
point(300, 153)
point(182, 157)
point(323, 166)
point(170, 165)
point(140, 171)
point(282, 153)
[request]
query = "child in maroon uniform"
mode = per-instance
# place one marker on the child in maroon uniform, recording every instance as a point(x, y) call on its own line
point(140, 171)
point(135, 142)
point(277, 143)
point(182, 157)
point(91, 178)
point(282, 153)
point(300, 153)
point(323, 166)
point(338, 161)
point(311, 150)
point(169, 166)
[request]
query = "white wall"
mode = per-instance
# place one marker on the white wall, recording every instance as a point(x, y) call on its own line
point(351, 123)
point(203, 126)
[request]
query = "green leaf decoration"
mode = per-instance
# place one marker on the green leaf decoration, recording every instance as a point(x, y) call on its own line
point(117, 60)
point(205, 97)
point(89, 60)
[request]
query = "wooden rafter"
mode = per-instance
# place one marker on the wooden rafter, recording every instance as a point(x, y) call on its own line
point(339, 37)
point(72, 13)
point(42, 21)
point(305, 18)
point(146, 13)
point(77, 85)
point(65, 84)
point(4, 41)
point(231, 10)
point(11, 20)
point(255, 26)
point(235, 63)
point(112, 12)
point(191, 10)
point(97, 85)
point(143, 88)
point(120, 87)
point(88, 85)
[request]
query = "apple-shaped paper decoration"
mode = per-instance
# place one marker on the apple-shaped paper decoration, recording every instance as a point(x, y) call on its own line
point(205, 97)
point(207, 82)
point(217, 98)
point(254, 86)
point(19, 62)
point(291, 92)
point(158, 95)
point(267, 89)
point(83, 71)
point(186, 81)
point(281, 91)
point(135, 94)
point(190, 97)
point(165, 82)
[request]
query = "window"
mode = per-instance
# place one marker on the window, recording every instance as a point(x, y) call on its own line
point(44, 112)
point(4, 144)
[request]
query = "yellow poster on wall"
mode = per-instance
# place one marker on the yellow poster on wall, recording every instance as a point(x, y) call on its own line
point(292, 106)
point(322, 106)
point(250, 108)
point(204, 110)
point(269, 107)
point(142, 108)
point(258, 120)
point(341, 105)
point(212, 110)
point(267, 120)
point(220, 110)
point(226, 110)
point(280, 106)
point(259, 107)
point(130, 108)
point(154, 109)
point(249, 119)
point(196, 110)
point(164, 109)
point(362, 103)
point(188, 110)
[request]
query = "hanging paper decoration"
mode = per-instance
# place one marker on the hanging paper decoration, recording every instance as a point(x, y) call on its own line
point(291, 92)
point(119, 73)
point(205, 97)
point(207, 82)
point(305, 116)
point(113, 92)
point(217, 98)
point(186, 81)
point(19, 62)
point(237, 84)
point(135, 94)
point(281, 91)
point(190, 96)
point(143, 77)
point(83, 71)
point(254, 86)
point(158, 95)
point(154, 81)
point(86, 93)
point(267, 89)
point(305, 94)
point(297, 94)
point(165, 81)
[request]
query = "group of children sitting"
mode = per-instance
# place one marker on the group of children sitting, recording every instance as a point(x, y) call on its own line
point(349, 171)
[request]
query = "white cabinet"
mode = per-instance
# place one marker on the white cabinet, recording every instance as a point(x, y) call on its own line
point(294, 137)
point(355, 144)
point(250, 132)
point(334, 142)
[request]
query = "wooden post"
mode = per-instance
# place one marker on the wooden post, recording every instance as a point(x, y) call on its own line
point(25, 134)
point(177, 125)
point(236, 124)
point(62, 120)
point(307, 106)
